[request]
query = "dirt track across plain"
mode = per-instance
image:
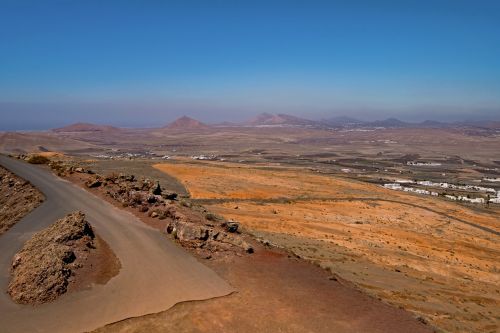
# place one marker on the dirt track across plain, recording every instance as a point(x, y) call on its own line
point(155, 275)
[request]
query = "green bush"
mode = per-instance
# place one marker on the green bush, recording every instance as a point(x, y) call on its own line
point(38, 159)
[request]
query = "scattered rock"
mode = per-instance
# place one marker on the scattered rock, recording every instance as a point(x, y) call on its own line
point(204, 236)
point(190, 226)
point(232, 226)
point(157, 190)
point(93, 183)
point(170, 196)
point(191, 232)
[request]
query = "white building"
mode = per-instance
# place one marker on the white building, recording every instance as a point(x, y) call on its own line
point(471, 200)
point(495, 200)
point(394, 186)
point(404, 181)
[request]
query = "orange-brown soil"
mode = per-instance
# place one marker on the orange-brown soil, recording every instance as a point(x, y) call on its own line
point(425, 254)
point(277, 294)
point(98, 267)
point(235, 181)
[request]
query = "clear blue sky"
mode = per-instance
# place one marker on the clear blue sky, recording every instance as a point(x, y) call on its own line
point(145, 62)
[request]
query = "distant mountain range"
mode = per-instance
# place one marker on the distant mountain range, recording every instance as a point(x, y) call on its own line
point(285, 120)
point(267, 119)
point(342, 121)
point(396, 123)
point(86, 127)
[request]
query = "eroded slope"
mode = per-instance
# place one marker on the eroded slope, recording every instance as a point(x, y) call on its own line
point(17, 198)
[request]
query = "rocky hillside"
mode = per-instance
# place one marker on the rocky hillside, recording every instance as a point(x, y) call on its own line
point(187, 123)
point(17, 198)
point(50, 262)
point(191, 225)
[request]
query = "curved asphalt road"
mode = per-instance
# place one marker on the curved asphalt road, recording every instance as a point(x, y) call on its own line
point(155, 273)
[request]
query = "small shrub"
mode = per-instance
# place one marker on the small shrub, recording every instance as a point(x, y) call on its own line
point(185, 203)
point(38, 159)
point(211, 217)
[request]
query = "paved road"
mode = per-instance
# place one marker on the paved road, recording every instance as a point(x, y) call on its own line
point(155, 273)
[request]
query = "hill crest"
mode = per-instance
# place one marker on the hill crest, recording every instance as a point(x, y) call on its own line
point(186, 122)
point(86, 127)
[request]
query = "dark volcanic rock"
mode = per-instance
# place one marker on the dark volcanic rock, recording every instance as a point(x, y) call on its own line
point(232, 226)
point(93, 183)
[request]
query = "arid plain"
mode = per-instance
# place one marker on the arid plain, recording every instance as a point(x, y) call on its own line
point(410, 251)
point(318, 194)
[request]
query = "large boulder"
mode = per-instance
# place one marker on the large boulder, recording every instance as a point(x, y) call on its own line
point(231, 226)
point(94, 182)
point(186, 231)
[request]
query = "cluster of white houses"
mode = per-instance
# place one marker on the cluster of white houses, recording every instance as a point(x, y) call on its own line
point(204, 157)
point(423, 163)
point(466, 199)
point(398, 187)
point(491, 179)
point(457, 187)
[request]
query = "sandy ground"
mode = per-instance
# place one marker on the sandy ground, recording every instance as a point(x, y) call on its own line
point(276, 293)
point(99, 267)
point(428, 256)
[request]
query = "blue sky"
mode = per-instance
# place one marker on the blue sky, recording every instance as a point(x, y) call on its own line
point(146, 62)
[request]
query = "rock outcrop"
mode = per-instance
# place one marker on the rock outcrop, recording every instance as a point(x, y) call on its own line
point(203, 234)
point(191, 227)
point(46, 265)
point(18, 197)
point(195, 229)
